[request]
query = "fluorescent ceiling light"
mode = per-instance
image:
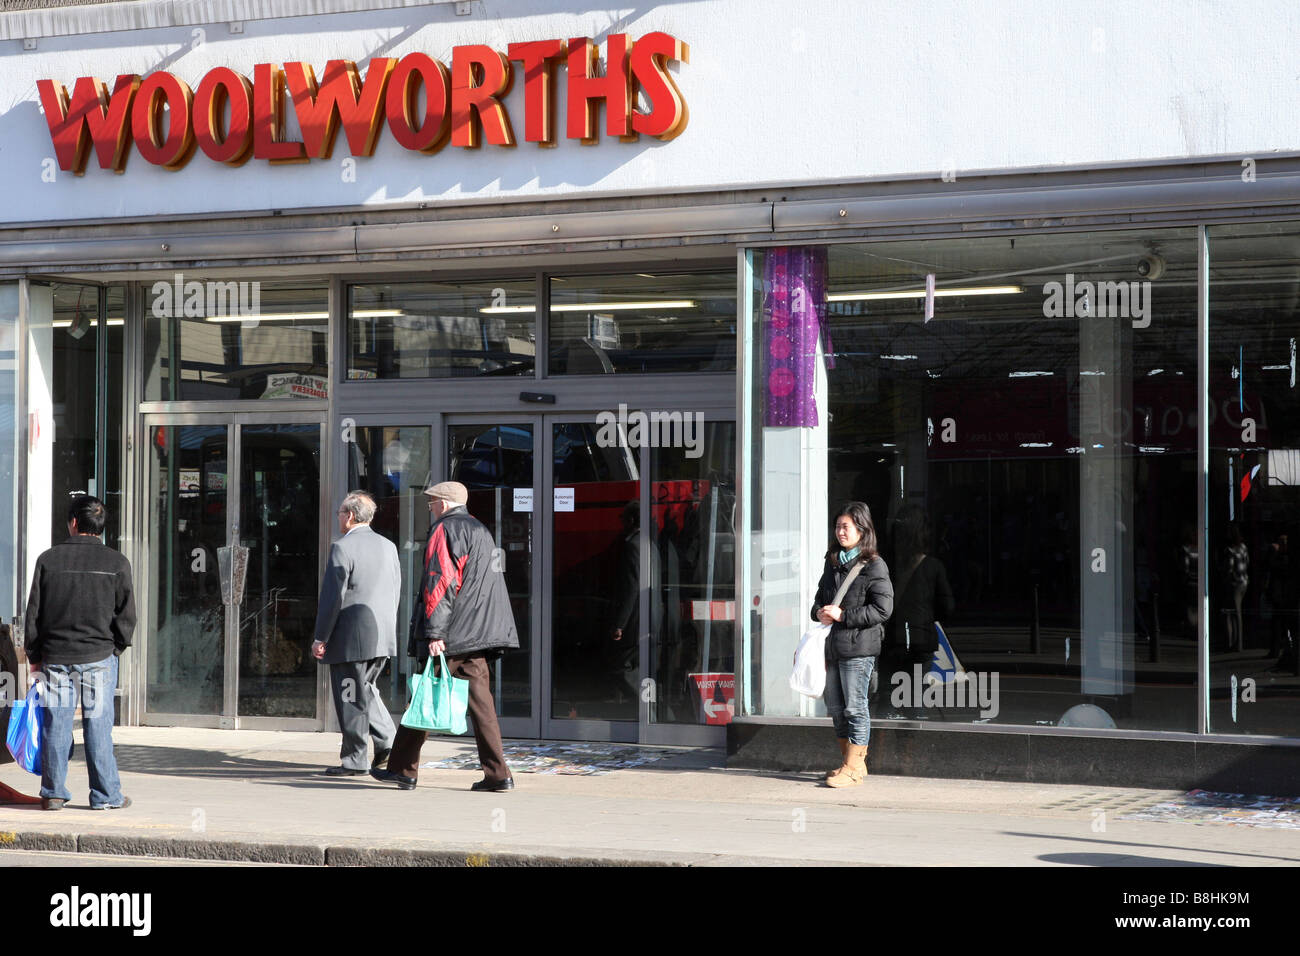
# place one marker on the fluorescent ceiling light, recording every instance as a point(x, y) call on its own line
point(920, 293)
point(594, 306)
point(67, 323)
point(296, 316)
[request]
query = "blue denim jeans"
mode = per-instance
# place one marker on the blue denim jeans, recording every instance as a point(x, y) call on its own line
point(94, 683)
point(847, 681)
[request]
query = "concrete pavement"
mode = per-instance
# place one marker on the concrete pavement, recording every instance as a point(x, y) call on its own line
point(260, 796)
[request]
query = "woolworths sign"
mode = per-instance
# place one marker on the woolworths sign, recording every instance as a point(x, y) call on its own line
point(421, 103)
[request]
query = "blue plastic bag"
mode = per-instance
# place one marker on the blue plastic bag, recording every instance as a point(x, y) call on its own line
point(23, 737)
point(944, 666)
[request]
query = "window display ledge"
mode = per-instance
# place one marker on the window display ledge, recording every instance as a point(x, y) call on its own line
point(1255, 765)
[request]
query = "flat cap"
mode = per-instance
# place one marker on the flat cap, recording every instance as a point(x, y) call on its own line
point(452, 491)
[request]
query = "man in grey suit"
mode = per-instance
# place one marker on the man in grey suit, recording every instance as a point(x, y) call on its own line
point(356, 632)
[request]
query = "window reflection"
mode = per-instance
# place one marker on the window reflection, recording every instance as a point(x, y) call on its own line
point(643, 323)
point(495, 462)
point(1027, 427)
point(692, 582)
point(73, 390)
point(209, 339)
point(1253, 563)
point(441, 329)
point(392, 465)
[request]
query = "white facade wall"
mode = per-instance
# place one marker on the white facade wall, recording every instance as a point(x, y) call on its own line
point(778, 92)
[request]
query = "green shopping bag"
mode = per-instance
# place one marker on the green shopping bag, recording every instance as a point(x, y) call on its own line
point(438, 703)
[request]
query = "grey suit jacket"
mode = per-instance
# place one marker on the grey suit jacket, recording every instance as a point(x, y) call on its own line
point(357, 614)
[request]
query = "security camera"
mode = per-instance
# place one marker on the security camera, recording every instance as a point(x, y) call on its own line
point(1151, 266)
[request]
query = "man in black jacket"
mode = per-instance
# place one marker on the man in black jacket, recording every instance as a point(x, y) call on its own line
point(463, 611)
point(80, 617)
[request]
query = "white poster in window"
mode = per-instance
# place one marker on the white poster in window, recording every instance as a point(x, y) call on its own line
point(523, 499)
point(293, 385)
point(563, 499)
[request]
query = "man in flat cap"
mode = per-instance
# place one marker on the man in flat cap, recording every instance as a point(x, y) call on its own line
point(463, 611)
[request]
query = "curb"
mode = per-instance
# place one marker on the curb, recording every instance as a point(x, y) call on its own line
point(235, 851)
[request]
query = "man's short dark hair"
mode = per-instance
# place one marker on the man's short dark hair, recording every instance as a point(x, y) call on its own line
point(89, 513)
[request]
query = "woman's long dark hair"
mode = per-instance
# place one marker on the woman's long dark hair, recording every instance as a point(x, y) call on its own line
point(860, 515)
point(911, 533)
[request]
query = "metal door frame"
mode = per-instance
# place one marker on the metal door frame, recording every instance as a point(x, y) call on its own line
point(530, 726)
point(563, 728)
point(234, 422)
point(540, 725)
point(673, 734)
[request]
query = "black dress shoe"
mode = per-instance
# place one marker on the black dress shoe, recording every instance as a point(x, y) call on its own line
point(388, 776)
point(381, 758)
point(344, 772)
point(495, 786)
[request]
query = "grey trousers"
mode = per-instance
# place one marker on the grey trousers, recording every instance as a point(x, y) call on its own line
point(361, 710)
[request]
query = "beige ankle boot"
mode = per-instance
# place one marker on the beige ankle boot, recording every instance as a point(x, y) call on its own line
point(854, 769)
point(844, 755)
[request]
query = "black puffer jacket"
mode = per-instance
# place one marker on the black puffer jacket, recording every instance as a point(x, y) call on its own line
point(867, 606)
point(81, 608)
point(463, 598)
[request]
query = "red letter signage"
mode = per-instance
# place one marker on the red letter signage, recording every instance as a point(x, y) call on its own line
point(668, 113)
point(615, 88)
point(340, 97)
point(268, 118)
point(538, 58)
point(428, 133)
point(480, 77)
point(219, 87)
point(174, 150)
point(91, 116)
point(465, 105)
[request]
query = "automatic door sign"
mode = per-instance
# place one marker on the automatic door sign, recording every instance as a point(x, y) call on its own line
point(717, 696)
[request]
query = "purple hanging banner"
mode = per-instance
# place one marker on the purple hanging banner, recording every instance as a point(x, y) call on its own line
point(793, 316)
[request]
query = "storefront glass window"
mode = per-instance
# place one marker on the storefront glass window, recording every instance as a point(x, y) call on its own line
point(1019, 415)
point(9, 310)
point(693, 578)
point(114, 335)
point(1254, 496)
point(442, 329)
point(643, 323)
point(226, 339)
point(495, 462)
point(76, 335)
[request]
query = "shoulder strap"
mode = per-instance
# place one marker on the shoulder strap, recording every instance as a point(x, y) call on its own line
point(844, 588)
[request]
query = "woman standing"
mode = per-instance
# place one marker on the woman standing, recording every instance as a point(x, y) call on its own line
point(857, 620)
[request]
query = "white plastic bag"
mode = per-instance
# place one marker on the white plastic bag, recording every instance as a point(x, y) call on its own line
point(809, 677)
